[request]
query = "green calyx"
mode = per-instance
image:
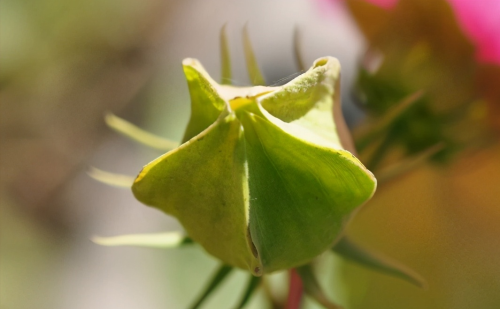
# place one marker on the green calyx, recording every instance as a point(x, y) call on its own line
point(261, 180)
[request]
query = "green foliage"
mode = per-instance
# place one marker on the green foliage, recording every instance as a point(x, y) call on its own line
point(354, 252)
point(428, 53)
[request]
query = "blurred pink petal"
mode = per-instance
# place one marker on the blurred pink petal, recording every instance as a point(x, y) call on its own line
point(480, 20)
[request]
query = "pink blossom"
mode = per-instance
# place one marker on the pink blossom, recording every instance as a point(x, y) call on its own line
point(480, 20)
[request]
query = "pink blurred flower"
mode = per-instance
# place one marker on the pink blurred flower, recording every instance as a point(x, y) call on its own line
point(479, 19)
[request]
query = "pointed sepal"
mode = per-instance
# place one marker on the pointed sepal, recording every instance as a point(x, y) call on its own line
point(254, 73)
point(226, 76)
point(365, 257)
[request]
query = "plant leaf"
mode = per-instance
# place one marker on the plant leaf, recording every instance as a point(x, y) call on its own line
point(254, 73)
point(226, 77)
point(112, 179)
point(252, 284)
point(137, 134)
point(216, 280)
point(156, 240)
point(353, 252)
point(312, 287)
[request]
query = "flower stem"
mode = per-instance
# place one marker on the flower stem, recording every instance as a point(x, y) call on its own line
point(295, 291)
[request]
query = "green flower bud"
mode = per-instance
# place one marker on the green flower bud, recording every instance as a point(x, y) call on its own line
point(261, 180)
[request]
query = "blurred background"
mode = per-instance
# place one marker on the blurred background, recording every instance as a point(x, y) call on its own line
point(63, 65)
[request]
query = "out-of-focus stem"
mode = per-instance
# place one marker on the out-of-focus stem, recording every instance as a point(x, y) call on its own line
point(295, 291)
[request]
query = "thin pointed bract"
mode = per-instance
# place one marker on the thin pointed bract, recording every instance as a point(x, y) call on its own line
point(112, 179)
point(216, 280)
point(139, 135)
point(297, 51)
point(312, 287)
point(226, 76)
point(154, 240)
point(254, 73)
point(407, 164)
point(353, 252)
point(252, 285)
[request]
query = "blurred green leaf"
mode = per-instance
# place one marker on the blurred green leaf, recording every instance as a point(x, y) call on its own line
point(421, 48)
point(408, 164)
point(353, 252)
point(376, 127)
point(252, 284)
point(216, 280)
